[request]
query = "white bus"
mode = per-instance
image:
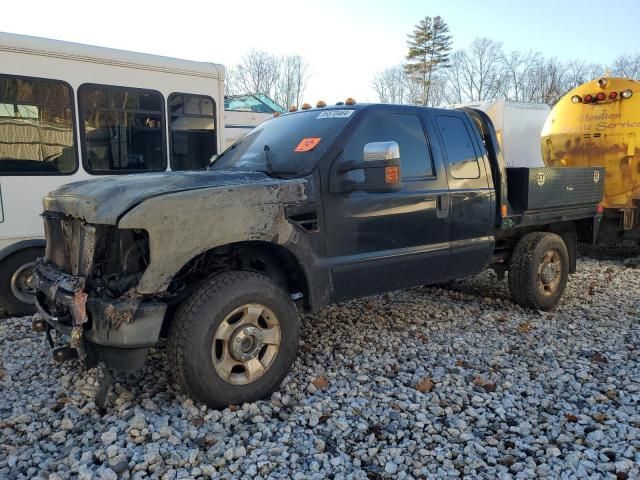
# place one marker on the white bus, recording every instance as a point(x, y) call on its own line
point(71, 112)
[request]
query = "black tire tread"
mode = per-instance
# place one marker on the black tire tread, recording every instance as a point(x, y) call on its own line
point(522, 261)
point(184, 319)
point(8, 302)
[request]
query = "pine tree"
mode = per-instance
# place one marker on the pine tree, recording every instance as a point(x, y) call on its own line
point(429, 46)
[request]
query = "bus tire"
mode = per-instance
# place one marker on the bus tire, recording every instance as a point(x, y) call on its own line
point(15, 293)
point(538, 271)
point(233, 340)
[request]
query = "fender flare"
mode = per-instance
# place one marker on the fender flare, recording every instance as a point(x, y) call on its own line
point(21, 245)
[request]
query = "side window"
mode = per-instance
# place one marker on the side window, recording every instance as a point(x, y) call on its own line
point(36, 127)
point(461, 156)
point(122, 129)
point(406, 130)
point(192, 131)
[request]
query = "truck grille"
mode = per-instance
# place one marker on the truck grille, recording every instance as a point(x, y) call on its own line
point(71, 244)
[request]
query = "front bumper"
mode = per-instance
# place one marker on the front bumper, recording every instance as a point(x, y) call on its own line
point(95, 324)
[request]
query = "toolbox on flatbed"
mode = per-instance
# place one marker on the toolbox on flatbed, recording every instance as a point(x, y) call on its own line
point(554, 187)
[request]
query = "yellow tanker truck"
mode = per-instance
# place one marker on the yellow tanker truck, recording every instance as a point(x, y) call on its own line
point(598, 123)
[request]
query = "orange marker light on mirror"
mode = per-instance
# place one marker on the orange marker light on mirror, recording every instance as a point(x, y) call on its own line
point(391, 175)
point(503, 210)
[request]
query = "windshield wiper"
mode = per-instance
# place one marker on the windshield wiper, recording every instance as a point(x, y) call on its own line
point(216, 157)
point(269, 170)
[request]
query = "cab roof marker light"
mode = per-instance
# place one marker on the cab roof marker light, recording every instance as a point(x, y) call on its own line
point(321, 104)
point(339, 103)
point(293, 108)
point(350, 101)
point(306, 106)
point(626, 93)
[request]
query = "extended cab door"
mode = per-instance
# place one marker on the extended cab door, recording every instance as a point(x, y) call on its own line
point(385, 241)
point(472, 193)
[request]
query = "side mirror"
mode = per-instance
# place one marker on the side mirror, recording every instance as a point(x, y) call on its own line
point(377, 172)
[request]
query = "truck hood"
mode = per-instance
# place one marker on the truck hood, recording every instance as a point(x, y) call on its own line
point(105, 200)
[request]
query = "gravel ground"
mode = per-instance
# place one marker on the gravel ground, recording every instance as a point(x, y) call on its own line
point(424, 383)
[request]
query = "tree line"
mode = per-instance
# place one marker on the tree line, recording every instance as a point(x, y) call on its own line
point(282, 77)
point(434, 75)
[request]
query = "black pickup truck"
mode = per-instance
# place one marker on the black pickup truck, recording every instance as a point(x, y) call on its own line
point(312, 207)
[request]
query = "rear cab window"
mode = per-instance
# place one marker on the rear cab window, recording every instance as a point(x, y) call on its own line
point(461, 155)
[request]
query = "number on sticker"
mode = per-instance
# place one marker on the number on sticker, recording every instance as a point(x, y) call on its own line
point(336, 113)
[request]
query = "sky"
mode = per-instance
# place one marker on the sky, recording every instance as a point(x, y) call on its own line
point(345, 43)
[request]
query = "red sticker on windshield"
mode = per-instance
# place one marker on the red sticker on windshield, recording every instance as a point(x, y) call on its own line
point(307, 144)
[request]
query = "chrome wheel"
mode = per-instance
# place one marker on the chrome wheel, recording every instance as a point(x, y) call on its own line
point(22, 283)
point(245, 344)
point(549, 273)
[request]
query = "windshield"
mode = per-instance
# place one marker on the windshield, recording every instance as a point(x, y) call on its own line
point(270, 102)
point(289, 145)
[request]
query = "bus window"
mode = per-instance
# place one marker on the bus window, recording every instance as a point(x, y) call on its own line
point(36, 127)
point(122, 129)
point(193, 135)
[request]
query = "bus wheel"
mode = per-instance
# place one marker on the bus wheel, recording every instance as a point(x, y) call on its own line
point(16, 282)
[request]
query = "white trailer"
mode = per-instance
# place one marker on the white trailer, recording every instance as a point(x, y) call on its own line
point(71, 112)
point(518, 126)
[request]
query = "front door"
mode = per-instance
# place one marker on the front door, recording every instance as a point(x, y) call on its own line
point(387, 241)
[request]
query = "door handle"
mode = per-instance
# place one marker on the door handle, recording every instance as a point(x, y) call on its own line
point(442, 205)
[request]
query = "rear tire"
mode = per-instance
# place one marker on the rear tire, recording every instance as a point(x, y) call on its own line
point(15, 294)
point(233, 340)
point(538, 271)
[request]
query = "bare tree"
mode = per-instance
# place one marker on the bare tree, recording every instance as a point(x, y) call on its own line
point(292, 80)
point(517, 72)
point(231, 82)
point(477, 73)
point(627, 66)
point(548, 81)
point(258, 72)
point(390, 85)
point(394, 85)
point(578, 72)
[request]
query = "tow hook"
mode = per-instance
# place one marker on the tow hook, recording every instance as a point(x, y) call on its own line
point(63, 354)
point(39, 326)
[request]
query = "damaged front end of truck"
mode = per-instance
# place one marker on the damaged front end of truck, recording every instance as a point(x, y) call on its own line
point(86, 289)
point(122, 253)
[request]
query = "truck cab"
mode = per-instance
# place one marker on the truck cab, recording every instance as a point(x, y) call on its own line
point(309, 208)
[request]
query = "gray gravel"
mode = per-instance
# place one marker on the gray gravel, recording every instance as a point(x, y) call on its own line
point(424, 383)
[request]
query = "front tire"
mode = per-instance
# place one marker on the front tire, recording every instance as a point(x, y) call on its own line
point(17, 296)
point(234, 339)
point(539, 270)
